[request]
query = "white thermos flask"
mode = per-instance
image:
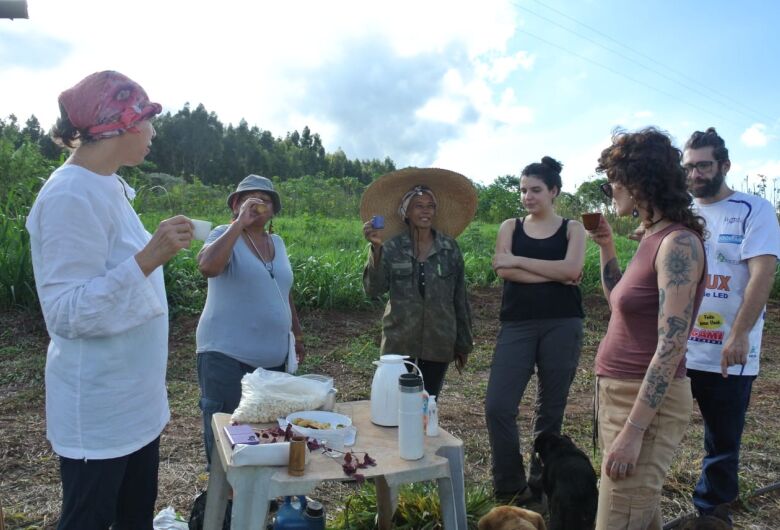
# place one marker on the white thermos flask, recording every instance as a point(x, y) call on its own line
point(410, 417)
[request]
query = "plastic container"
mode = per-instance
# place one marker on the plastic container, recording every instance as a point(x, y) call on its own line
point(432, 413)
point(330, 399)
point(314, 515)
point(290, 517)
point(411, 442)
point(328, 380)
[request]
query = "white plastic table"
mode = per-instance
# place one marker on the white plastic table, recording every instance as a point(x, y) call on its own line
point(254, 486)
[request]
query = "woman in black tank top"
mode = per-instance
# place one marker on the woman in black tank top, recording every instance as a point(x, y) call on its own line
point(540, 259)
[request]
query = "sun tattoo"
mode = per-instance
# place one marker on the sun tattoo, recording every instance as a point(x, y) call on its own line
point(678, 266)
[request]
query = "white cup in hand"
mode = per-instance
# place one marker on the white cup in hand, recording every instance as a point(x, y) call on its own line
point(202, 229)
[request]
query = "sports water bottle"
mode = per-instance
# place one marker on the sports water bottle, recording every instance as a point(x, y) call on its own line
point(410, 417)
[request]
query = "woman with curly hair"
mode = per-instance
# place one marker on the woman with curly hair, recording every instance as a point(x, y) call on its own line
point(644, 397)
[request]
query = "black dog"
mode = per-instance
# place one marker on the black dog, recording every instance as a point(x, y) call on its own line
point(569, 482)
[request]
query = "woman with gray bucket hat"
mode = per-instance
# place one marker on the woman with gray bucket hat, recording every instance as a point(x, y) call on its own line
point(249, 319)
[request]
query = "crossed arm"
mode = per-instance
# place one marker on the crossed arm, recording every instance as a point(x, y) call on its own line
point(679, 265)
point(528, 270)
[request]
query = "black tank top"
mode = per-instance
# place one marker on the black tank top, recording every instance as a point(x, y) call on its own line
point(529, 301)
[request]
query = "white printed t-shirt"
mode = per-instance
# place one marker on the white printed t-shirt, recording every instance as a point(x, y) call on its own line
point(739, 227)
point(108, 323)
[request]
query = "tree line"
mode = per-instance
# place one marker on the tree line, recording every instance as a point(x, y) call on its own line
point(195, 146)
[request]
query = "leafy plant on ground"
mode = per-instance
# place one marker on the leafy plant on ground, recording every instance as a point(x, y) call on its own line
point(418, 508)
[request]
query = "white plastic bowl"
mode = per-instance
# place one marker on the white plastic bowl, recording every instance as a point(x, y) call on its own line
point(322, 416)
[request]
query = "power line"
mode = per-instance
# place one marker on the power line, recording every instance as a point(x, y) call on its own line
point(621, 74)
point(755, 113)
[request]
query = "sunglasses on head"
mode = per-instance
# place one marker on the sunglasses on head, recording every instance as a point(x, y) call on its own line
point(606, 189)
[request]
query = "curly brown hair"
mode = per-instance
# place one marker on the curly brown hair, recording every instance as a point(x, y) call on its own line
point(649, 166)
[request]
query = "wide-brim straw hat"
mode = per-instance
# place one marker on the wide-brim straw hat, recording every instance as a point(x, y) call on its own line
point(456, 199)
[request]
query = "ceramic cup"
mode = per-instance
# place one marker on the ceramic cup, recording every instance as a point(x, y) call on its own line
point(202, 229)
point(591, 220)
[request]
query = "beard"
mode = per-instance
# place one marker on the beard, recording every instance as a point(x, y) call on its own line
point(707, 188)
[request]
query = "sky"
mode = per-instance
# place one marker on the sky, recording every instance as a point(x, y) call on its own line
point(482, 88)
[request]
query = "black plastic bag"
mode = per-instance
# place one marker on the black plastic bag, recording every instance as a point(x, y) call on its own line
point(198, 513)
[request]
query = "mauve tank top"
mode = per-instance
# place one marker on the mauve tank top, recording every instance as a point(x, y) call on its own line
point(632, 335)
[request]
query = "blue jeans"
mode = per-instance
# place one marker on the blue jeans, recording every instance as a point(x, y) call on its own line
point(219, 377)
point(723, 404)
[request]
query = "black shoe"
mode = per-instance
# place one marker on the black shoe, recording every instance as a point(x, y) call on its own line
point(536, 504)
point(515, 498)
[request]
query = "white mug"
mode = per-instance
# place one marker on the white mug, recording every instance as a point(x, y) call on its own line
point(202, 229)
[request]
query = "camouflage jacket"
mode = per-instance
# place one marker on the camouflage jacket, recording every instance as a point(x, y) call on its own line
point(433, 327)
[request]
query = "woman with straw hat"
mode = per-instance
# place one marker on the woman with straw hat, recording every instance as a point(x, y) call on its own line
point(100, 282)
point(540, 258)
point(415, 258)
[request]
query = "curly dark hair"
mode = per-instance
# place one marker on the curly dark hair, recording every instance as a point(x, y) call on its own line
point(709, 138)
point(649, 166)
point(548, 171)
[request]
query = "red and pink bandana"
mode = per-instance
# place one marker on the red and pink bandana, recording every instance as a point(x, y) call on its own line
point(107, 104)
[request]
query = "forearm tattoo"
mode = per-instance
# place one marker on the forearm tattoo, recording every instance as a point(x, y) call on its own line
point(611, 274)
point(657, 383)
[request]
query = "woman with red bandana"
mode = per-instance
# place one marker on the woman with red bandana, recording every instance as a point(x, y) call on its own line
point(99, 278)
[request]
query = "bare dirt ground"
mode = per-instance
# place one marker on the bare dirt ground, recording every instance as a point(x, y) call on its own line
point(342, 344)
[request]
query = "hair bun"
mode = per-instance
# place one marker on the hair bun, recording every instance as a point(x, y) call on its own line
point(553, 164)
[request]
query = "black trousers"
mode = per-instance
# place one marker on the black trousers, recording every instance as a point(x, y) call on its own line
point(97, 494)
point(433, 373)
point(549, 347)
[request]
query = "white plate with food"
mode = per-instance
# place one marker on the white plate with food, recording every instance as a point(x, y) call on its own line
point(312, 423)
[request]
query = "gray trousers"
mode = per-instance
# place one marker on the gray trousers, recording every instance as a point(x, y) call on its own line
point(552, 348)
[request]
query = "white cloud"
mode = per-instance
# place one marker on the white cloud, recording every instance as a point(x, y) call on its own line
point(755, 136)
point(412, 66)
point(643, 114)
point(770, 168)
point(445, 110)
point(497, 69)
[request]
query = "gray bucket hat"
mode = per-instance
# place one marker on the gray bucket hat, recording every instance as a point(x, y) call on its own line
point(256, 183)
